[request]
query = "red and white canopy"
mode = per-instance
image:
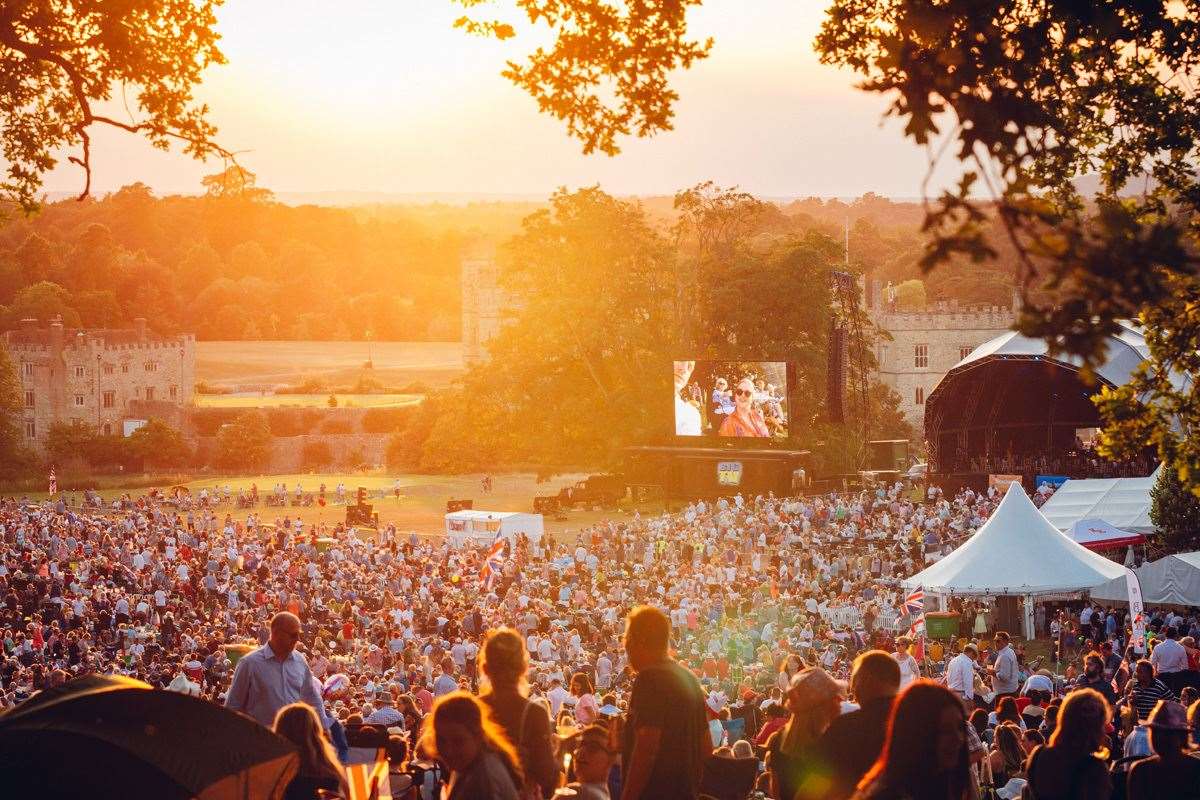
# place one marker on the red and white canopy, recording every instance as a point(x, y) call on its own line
point(1096, 534)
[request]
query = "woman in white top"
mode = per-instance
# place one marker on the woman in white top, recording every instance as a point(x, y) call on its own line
point(909, 669)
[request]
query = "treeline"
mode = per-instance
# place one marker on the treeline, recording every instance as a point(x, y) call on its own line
point(235, 266)
point(604, 299)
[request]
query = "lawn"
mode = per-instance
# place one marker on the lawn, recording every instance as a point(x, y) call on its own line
point(420, 508)
point(305, 400)
point(257, 363)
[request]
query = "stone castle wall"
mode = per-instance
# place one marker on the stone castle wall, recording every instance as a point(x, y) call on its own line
point(925, 345)
point(97, 378)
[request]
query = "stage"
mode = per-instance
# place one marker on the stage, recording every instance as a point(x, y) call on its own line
point(689, 473)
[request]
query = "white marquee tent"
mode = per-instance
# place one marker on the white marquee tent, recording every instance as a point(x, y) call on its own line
point(1171, 580)
point(1017, 552)
point(1121, 502)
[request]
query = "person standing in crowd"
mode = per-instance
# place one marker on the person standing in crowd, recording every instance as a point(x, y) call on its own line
point(1093, 677)
point(1004, 670)
point(1145, 690)
point(319, 766)
point(1072, 766)
point(1169, 659)
point(593, 760)
point(586, 708)
point(910, 670)
point(274, 675)
point(960, 675)
point(482, 762)
point(504, 661)
point(925, 755)
point(853, 741)
point(665, 739)
point(794, 758)
point(1171, 771)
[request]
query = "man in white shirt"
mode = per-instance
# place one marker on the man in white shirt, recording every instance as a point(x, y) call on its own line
point(1169, 659)
point(960, 674)
point(557, 696)
point(1004, 668)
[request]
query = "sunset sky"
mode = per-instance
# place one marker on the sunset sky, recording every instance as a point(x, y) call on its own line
point(385, 96)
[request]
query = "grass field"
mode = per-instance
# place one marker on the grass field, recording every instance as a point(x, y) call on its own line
point(257, 363)
point(305, 400)
point(420, 508)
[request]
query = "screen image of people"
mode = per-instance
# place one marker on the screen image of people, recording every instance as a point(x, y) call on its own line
point(740, 399)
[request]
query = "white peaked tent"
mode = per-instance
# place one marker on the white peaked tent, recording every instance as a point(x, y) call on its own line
point(1017, 552)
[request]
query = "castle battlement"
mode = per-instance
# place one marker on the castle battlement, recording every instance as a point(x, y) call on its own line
point(100, 378)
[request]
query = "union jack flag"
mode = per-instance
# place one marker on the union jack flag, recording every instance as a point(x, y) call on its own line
point(493, 563)
point(914, 604)
point(53, 483)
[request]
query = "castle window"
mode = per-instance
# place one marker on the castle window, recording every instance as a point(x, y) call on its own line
point(125, 367)
point(30, 429)
point(29, 399)
point(919, 395)
point(110, 398)
point(921, 355)
point(151, 366)
point(108, 429)
point(28, 368)
point(149, 392)
point(964, 351)
point(79, 372)
point(174, 391)
point(78, 400)
point(108, 369)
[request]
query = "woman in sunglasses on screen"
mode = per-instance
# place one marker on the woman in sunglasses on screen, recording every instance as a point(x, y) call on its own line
point(745, 420)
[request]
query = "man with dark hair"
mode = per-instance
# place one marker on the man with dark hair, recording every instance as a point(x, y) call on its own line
point(1093, 677)
point(853, 741)
point(665, 738)
point(1145, 690)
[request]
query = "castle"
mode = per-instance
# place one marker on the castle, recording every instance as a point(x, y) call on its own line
point(926, 344)
point(103, 379)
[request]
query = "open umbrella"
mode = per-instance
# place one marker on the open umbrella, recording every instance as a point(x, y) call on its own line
point(106, 737)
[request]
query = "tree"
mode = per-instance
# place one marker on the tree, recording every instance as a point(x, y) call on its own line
point(606, 74)
point(1040, 103)
point(235, 181)
point(66, 441)
point(11, 402)
point(910, 295)
point(1175, 512)
point(245, 443)
point(160, 446)
point(60, 59)
point(315, 455)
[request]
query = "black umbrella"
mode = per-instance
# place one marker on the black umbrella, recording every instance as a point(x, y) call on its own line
point(105, 737)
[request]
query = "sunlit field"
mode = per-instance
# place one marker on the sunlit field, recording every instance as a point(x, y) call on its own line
point(420, 507)
point(305, 400)
point(232, 364)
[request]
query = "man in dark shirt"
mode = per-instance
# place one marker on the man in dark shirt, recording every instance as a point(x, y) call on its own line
point(1093, 677)
point(852, 743)
point(1145, 690)
point(665, 738)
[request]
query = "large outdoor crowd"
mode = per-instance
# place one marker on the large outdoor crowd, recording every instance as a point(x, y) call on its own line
point(744, 645)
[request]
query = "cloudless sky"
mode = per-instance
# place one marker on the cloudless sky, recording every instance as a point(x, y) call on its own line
point(385, 96)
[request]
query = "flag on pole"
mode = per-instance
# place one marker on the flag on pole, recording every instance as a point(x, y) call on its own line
point(492, 563)
point(369, 781)
point(53, 483)
point(914, 604)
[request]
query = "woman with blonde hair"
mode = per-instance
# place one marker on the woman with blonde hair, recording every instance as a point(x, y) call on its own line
point(319, 768)
point(814, 700)
point(504, 661)
point(1073, 764)
point(480, 759)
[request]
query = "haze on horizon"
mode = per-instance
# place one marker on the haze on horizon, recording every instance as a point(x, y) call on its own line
point(387, 97)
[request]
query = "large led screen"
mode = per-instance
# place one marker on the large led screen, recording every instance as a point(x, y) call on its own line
point(733, 399)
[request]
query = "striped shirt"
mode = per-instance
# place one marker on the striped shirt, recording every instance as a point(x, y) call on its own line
point(1145, 698)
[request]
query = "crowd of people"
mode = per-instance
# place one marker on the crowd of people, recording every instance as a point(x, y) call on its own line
point(755, 643)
